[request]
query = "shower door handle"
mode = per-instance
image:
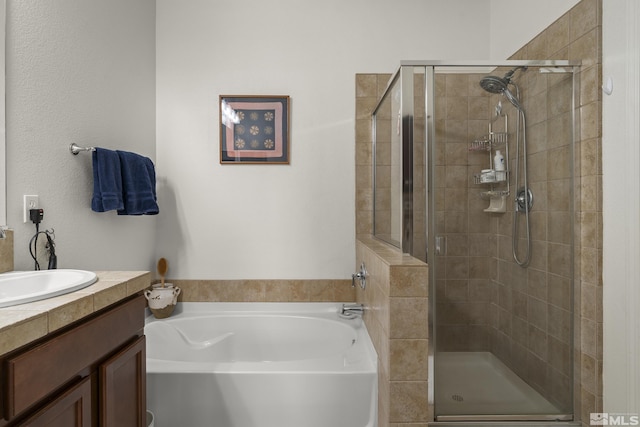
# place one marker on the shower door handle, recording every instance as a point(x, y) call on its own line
point(441, 245)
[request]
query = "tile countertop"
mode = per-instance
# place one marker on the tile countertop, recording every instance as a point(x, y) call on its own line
point(21, 324)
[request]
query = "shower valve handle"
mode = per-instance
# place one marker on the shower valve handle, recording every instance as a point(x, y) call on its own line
point(361, 275)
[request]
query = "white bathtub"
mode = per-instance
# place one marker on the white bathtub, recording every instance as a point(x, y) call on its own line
point(260, 365)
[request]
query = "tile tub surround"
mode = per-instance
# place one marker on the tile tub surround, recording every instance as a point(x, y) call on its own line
point(321, 290)
point(396, 318)
point(6, 252)
point(21, 324)
point(396, 303)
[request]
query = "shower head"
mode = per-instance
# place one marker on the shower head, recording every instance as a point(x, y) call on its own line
point(495, 84)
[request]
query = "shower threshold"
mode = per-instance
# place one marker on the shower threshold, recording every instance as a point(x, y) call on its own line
point(476, 387)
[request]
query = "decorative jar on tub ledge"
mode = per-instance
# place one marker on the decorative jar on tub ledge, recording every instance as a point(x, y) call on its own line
point(162, 299)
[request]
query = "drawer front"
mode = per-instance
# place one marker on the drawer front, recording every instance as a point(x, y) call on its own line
point(39, 371)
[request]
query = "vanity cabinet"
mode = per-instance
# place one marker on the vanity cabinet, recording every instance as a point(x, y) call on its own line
point(91, 374)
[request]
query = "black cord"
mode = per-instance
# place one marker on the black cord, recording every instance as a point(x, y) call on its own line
point(34, 242)
point(33, 248)
point(53, 259)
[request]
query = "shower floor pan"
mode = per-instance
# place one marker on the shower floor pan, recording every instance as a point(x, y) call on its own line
point(477, 386)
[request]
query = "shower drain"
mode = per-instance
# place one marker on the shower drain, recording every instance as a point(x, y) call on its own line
point(457, 397)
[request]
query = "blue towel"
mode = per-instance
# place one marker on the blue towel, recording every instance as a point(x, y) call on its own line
point(138, 185)
point(107, 181)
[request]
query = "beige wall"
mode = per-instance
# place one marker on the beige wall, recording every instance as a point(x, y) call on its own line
point(87, 75)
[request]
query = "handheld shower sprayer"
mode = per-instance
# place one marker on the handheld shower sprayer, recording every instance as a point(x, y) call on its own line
point(500, 85)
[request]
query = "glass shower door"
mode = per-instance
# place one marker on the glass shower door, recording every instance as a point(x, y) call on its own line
point(500, 330)
point(502, 334)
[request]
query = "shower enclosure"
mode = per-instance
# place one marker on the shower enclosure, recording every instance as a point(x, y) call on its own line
point(473, 174)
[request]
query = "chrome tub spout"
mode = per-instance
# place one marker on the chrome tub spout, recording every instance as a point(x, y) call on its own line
point(351, 310)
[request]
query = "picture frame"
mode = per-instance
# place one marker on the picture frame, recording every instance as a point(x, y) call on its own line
point(254, 129)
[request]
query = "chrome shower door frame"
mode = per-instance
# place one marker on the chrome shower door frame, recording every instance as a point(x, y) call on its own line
point(430, 178)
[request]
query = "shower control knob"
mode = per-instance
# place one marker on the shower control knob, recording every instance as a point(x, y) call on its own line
point(361, 276)
point(524, 200)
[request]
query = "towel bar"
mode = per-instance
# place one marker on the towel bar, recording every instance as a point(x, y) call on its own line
point(75, 149)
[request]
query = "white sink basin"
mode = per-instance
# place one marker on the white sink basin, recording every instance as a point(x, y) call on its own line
point(19, 287)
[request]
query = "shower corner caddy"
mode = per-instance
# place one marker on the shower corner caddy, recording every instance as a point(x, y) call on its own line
point(494, 178)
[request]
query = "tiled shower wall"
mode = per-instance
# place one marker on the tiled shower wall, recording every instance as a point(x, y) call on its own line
point(576, 36)
point(533, 312)
point(388, 170)
point(389, 214)
point(396, 295)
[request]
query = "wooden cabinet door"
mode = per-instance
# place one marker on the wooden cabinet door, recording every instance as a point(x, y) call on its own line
point(122, 387)
point(71, 409)
point(32, 375)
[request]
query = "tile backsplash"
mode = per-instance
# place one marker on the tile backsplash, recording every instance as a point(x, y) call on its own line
point(6, 252)
point(265, 290)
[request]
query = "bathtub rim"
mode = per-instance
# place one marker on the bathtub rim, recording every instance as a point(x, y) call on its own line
point(364, 363)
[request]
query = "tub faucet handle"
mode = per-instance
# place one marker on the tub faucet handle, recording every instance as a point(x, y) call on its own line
point(361, 275)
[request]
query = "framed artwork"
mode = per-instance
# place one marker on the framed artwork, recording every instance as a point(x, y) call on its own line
point(254, 129)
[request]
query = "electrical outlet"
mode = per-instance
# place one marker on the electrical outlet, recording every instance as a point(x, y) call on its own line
point(30, 202)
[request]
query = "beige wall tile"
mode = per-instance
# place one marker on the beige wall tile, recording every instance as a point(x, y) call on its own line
point(558, 34)
point(408, 360)
point(24, 327)
point(366, 85)
point(408, 281)
point(6, 252)
point(68, 313)
point(590, 84)
point(585, 16)
point(587, 48)
point(266, 290)
point(408, 318)
point(110, 294)
point(408, 401)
